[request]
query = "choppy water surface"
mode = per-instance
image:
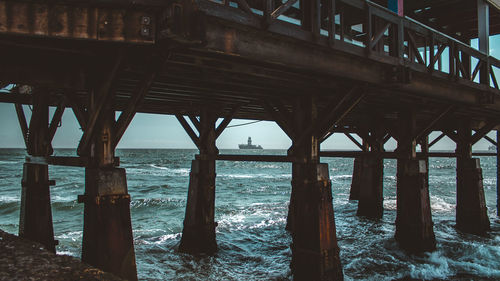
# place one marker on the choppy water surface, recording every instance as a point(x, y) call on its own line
point(251, 208)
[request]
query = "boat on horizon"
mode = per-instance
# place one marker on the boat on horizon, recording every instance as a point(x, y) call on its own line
point(249, 145)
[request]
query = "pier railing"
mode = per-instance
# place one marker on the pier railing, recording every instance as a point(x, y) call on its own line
point(367, 29)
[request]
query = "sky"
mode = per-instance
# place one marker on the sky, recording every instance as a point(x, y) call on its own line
point(162, 131)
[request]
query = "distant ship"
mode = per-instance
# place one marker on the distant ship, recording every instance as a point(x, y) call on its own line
point(249, 145)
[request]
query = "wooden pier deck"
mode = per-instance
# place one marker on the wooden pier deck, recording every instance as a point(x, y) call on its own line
point(314, 67)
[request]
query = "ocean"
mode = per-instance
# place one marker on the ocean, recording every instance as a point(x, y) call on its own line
point(251, 209)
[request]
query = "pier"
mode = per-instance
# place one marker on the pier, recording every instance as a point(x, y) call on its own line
point(372, 71)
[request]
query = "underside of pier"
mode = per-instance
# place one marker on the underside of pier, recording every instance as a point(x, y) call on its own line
point(314, 67)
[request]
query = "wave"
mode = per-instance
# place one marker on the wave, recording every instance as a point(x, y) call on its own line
point(9, 162)
point(157, 202)
point(159, 171)
point(257, 175)
point(158, 240)
point(176, 171)
point(437, 266)
point(439, 205)
point(9, 198)
point(340, 177)
point(74, 235)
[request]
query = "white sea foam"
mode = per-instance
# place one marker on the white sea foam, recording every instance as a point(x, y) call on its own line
point(436, 267)
point(58, 198)
point(251, 176)
point(74, 235)
point(439, 205)
point(268, 222)
point(172, 171)
point(8, 198)
point(67, 253)
point(166, 237)
point(7, 162)
point(340, 177)
point(390, 203)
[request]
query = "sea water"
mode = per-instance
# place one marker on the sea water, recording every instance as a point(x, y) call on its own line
point(251, 209)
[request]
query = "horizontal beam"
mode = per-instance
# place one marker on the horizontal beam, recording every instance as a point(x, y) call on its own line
point(70, 161)
point(394, 155)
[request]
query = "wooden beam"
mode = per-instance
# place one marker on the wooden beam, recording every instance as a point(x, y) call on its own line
point(432, 123)
point(70, 161)
point(437, 139)
point(435, 57)
point(330, 117)
point(379, 35)
point(104, 93)
point(452, 135)
point(476, 70)
point(282, 9)
point(22, 122)
point(196, 122)
point(331, 21)
point(483, 131)
point(386, 138)
point(413, 45)
point(189, 130)
point(16, 98)
point(222, 126)
point(78, 109)
point(493, 78)
point(393, 154)
point(128, 114)
point(329, 123)
point(56, 119)
point(492, 141)
point(495, 4)
point(243, 5)
point(279, 118)
point(355, 141)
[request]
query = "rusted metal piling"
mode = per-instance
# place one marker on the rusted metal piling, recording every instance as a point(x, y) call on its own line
point(315, 68)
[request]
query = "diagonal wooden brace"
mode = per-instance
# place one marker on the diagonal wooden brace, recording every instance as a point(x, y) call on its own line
point(104, 93)
point(189, 130)
point(483, 131)
point(432, 123)
point(128, 114)
point(56, 119)
point(222, 126)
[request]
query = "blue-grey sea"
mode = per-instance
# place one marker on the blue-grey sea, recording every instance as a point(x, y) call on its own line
point(251, 209)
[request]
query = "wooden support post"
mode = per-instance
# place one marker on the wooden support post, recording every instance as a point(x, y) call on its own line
point(107, 229)
point(311, 16)
point(371, 196)
point(357, 175)
point(471, 213)
point(483, 27)
point(198, 235)
point(356, 178)
point(35, 222)
point(414, 226)
point(498, 173)
point(315, 253)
